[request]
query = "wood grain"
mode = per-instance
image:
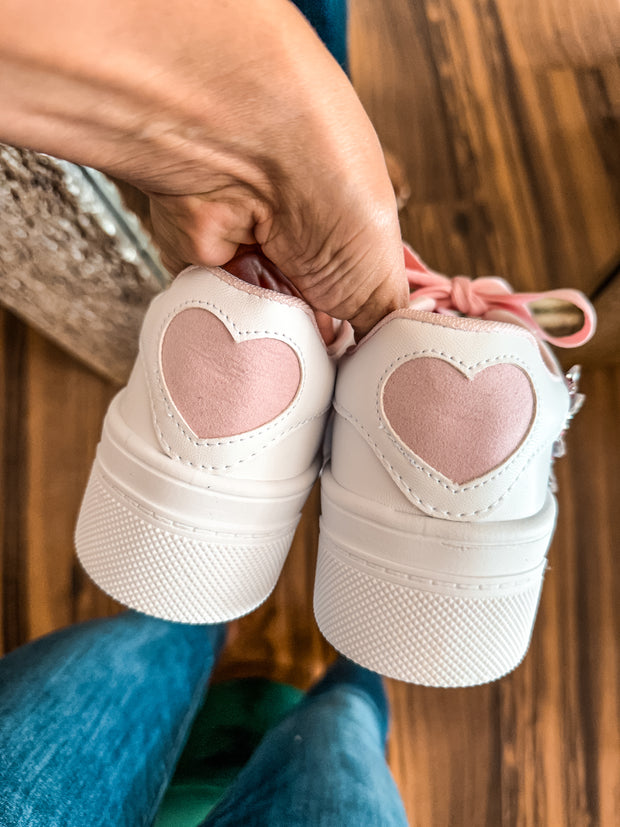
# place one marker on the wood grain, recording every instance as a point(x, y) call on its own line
point(3, 480)
point(66, 401)
point(605, 346)
point(561, 33)
point(51, 416)
point(513, 167)
point(15, 485)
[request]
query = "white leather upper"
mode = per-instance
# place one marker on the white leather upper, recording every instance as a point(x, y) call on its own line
point(363, 436)
point(279, 449)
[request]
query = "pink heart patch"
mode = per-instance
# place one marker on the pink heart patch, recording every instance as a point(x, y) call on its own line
point(461, 427)
point(222, 387)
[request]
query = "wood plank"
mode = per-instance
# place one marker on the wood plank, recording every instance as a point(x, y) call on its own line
point(445, 754)
point(66, 401)
point(605, 346)
point(3, 480)
point(15, 451)
point(580, 33)
point(560, 722)
point(281, 640)
point(591, 499)
point(398, 81)
point(525, 148)
point(51, 415)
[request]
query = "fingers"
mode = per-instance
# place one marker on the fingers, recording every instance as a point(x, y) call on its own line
point(192, 230)
point(351, 268)
point(384, 290)
point(390, 295)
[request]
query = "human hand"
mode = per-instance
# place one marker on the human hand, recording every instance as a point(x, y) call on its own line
point(239, 126)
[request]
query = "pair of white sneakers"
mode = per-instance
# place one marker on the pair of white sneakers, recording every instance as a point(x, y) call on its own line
point(437, 511)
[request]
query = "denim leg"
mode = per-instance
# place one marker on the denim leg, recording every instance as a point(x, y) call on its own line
point(93, 718)
point(323, 765)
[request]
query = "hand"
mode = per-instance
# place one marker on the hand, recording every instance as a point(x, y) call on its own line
point(235, 121)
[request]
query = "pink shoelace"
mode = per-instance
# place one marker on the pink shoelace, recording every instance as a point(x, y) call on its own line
point(478, 297)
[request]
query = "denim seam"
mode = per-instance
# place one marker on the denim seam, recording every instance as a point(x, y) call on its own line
point(180, 740)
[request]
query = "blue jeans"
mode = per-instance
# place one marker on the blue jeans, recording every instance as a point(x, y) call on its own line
point(93, 719)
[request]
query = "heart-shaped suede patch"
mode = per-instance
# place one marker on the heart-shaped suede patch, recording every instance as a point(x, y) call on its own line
point(222, 387)
point(462, 427)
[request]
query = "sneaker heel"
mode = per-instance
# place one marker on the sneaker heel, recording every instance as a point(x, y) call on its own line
point(415, 613)
point(170, 568)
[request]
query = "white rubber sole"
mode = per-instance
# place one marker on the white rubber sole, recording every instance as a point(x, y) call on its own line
point(181, 544)
point(426, 600)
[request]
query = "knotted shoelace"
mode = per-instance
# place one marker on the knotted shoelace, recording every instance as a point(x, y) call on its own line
point(479, 297)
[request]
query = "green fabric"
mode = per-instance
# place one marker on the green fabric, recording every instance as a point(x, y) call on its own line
point(227, 729)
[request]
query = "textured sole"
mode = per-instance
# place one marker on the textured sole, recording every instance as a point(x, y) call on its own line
point(199, 549)
point(411, 603)
point(170, 570)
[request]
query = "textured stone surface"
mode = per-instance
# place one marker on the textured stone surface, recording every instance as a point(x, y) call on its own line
point(73, 261)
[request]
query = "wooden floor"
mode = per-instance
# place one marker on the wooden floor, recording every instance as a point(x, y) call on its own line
point(506, 116)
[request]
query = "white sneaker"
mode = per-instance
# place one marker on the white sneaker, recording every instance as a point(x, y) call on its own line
point(208, 454)
point(437, 508)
